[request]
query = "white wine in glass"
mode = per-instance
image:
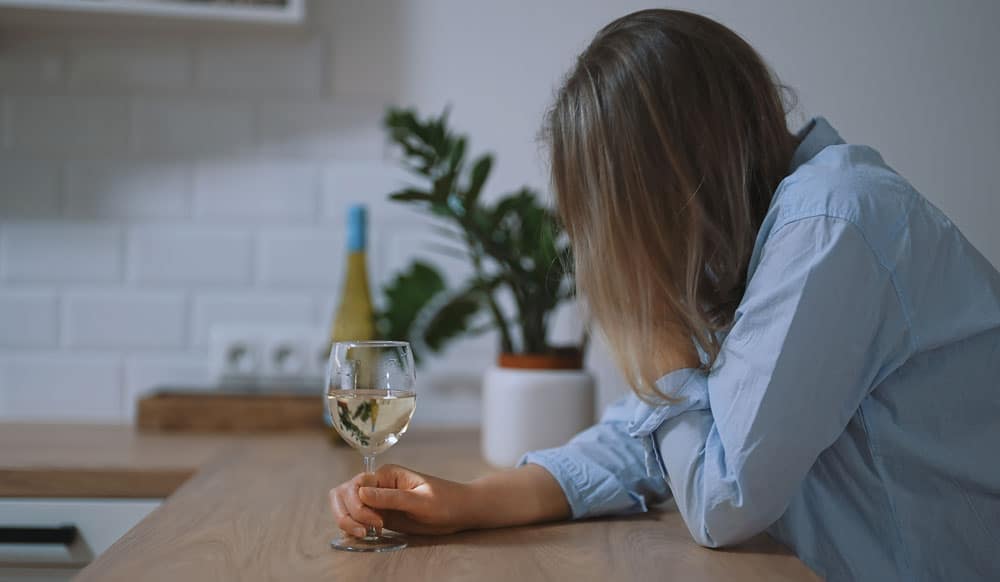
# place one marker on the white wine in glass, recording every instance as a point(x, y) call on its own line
point(370, 393)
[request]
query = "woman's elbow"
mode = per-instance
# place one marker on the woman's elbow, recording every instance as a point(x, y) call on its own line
point(722, 539)
point(722, 529)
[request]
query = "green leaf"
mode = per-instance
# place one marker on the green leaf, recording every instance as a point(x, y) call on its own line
point(457, 154)
point(437, 133)
point(452, 319)
point(442, 188)
point(411, 195)
point(477, 177)
point(405, 296)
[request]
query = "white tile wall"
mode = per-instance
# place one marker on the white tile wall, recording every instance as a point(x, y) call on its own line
point(189, 255)
point(124, 320)
point(192, 127)
point(294, 65)
point(300, 258)
point(137, 190)
point(321, 129)
point(257, 191)
point(31, 189)
point(216, 309)
point(128, 62)
point(76, 125)
point(29, 319)
point(31, 61)
point(60, 252)
point(346, 183)
point(60, 386)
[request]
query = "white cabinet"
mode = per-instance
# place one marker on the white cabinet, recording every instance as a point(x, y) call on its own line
point(277, 12)
point(100, 522)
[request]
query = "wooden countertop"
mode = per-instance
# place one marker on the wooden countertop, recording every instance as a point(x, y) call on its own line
point(254, 508)
point(66, 460)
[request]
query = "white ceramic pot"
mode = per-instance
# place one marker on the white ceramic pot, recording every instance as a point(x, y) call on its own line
point(526, 410)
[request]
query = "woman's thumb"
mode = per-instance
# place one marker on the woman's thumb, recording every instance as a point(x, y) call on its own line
point(396, 477)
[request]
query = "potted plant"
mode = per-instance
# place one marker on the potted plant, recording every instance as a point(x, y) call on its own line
point(537, 395)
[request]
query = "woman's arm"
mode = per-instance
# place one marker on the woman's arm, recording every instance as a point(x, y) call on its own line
point(820, 324)
point(407, 501)
point(601, 470)
point(528, 494)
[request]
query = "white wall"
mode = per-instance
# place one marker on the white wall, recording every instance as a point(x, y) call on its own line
point(152, 183)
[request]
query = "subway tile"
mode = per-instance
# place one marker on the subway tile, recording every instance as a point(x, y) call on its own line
point(293, 258)
point(321, 129)
point(218, 309)
point(100, 189)
point(191, 127)
point(287, 66)
point(60, 252)
point(60, 387)
point(29, 189)
point(129, 62)
point(85, 126)
point(210, 256)
point(368, 182)
point(264, 191)
point(29, 319)
point(125, 319)
point(31, 61)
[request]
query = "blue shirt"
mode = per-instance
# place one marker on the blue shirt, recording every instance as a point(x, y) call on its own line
point(854, 412)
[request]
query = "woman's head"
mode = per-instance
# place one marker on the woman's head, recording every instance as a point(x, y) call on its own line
point(667, 141)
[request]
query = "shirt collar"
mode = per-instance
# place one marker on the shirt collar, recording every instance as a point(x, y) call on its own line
point(816, 135)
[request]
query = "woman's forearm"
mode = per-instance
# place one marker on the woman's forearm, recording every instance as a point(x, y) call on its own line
point(528, 494)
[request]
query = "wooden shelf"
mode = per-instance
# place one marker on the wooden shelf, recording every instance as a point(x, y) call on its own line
point(292, 12)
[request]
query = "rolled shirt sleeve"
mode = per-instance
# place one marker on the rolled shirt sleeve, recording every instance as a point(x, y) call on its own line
point(603, 470)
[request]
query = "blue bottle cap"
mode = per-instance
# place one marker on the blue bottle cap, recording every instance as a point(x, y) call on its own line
point(357, 226)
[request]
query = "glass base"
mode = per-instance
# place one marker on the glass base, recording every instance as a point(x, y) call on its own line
point(387, 542)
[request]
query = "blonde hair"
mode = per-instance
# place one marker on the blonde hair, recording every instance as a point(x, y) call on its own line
point(667, 141)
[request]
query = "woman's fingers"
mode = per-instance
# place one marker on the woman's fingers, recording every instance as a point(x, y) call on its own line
point(343, 518)
point(356, 508)
point(393, 499)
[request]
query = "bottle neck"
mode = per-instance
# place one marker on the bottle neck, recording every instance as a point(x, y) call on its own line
point(357, 230)
point(357, 271)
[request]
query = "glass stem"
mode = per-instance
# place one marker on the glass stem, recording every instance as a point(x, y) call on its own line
point(371, 534)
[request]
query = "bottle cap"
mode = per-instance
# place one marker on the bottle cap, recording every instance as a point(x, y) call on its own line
point(357, 223)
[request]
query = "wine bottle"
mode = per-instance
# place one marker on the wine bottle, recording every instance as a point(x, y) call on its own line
point(354, 319)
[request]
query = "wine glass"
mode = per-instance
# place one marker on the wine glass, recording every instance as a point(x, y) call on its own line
point(370, 392)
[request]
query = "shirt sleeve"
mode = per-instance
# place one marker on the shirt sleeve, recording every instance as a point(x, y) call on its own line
point(603, 470)
point(820, 325)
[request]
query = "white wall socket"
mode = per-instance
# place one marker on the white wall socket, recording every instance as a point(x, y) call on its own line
point(277, 356)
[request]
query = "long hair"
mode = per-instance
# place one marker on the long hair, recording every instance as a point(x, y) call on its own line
point(667, 141)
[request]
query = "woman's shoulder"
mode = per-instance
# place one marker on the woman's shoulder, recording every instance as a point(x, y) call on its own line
point(850, 183)
point(847, 182)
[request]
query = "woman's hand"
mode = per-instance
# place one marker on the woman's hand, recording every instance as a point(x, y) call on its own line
point(406, 501)
point(401, 500)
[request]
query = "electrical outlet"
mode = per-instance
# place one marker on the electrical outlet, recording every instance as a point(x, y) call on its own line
point(273, 356)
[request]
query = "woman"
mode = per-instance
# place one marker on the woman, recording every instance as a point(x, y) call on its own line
point(814, 349)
